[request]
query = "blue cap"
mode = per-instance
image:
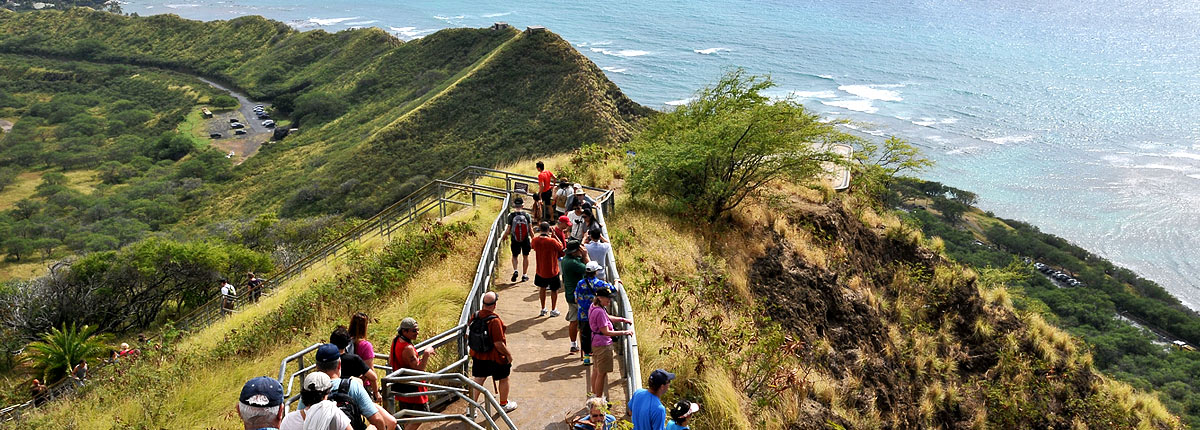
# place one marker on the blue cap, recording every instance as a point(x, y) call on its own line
point(328, 352)
point(660, 377)
point(262, 392)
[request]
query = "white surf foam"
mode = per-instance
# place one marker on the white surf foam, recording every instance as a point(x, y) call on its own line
point(181, 5)
point(828, 94)
point(362, 22)
point(1195, 176)
point(680, 102)
point(1004, 140)
point(925, 122)
point(615, 69)
point(331, 21)
point(448, 18)
point(963, 150)
point(873, 92)
point(493, 15)
point(1181, 154)
point(1171, 167)
point(621, 52)
point(825, 76)
point(709, 51)
point(411, 32)
point(864, 106)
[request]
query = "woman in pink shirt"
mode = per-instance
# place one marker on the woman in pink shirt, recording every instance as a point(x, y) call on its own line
point(602, 343)
point(359, 345)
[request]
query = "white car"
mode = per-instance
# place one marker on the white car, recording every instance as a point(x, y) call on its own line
point(268, 123)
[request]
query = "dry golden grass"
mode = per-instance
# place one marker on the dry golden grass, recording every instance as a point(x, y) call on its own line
point(23, 187)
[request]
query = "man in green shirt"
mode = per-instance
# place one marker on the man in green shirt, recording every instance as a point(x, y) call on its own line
point(573, 265)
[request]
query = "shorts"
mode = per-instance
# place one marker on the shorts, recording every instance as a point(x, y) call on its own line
point(400, 405)
point(489, 368)
point(551, 283)
point(522, 248)
point(573, 312)
point(602, 358)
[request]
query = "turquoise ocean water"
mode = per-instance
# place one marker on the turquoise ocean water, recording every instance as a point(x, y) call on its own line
point(1080, 117)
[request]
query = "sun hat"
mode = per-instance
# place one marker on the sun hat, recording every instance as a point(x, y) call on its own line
point(579, 189)
point(263, 392)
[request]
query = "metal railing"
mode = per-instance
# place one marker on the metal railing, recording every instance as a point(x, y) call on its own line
point(630, 360)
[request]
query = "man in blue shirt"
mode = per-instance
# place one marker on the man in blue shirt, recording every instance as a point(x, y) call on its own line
point(329, 361)
point(645, 405)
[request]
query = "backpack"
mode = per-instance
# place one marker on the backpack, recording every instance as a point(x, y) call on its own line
point(341, 396)
point(478, 336)
point(520, 227)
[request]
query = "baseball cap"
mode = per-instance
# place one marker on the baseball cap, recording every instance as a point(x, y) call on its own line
point(328, 352)
point(262, 392)
point(592, 266)
point(408, 324)
point(684, 409)
point(565, 219)
point(519, 202)
point(659, 377)
point(317, 382)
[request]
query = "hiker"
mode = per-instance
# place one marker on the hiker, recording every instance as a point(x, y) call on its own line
point(585, 294)
point(321, 414)
point(124, 352)
point(561, 197)
point(572, 268)
point(490, 356)
point(537, 209)
point(254, 286)
point(680, 413)
point(228, 296)
point(353, 365)
point(645, 405)
point(576, 221)
point(597, 250)
point(602, 343)
point(405, 356)
point(548, 249)
point(80, 372)
point(597, 417)
point(363, 348)
point(590, 223)
point(579, 197)
point(353, 398)
point(562, 229)
point(545, 185)
point(519, 229)
point(260, 405)
point(37, 391)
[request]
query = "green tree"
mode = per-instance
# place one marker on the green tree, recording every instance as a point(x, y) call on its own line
point(880, 164)
point(7, 176)
point(224, 102)
point(46, 245)
point(728, 143)
point(316, 108)
point(18, 247)
point(60, 349)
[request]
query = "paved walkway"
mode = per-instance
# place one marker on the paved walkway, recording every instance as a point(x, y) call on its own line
point(547, 381)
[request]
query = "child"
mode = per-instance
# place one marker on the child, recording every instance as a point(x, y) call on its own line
point(680, 414)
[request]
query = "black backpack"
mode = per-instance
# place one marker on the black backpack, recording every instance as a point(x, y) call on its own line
point(341, 396)
point(478, 337)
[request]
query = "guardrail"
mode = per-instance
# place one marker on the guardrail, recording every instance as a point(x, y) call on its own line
point(631, 361)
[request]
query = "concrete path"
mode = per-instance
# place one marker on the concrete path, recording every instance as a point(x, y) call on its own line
point(547, 382)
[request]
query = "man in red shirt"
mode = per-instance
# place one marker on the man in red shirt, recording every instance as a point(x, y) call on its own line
point(548, 249)
point(497, 361)
point(404, 355)
point(545, 188)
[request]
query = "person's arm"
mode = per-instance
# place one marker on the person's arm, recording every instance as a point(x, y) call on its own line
point(371, 377)
point(381, 420)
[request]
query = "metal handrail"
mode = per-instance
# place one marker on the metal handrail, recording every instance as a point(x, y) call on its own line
point(632, 368)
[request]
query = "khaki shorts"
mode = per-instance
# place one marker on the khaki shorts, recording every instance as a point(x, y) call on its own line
point(602, 358)
point(573, 312)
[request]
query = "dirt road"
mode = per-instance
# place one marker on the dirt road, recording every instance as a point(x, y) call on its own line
point(243, 146)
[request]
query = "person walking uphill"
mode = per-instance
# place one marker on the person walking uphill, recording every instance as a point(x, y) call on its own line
point(645, 405)
point(573, 266)
point(545, 188)
point(405, 356)
point(490, 356)
point(519, 229)
point(349, 393)
point(548, 249)
point(602, 342)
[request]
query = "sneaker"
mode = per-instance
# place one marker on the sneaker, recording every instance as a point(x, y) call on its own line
point(543, 313)
point(510, 406)
point(574, 349)
point(587, 360)
point(524, 278)
point(514, 276)
point(555, 313)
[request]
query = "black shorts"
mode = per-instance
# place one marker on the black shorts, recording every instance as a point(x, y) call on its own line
point(551, 283)
point(486, 368)
point(522, 248)
point(423, 407)
point(585, 337)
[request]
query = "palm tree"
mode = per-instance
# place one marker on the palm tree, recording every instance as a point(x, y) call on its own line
point(60, 349)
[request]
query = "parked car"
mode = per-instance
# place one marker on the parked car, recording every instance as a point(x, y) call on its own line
point(239, 132)
point(237, 125)
point(264, 116)
point(233, 120)
point(268, 123)
point(215, 136)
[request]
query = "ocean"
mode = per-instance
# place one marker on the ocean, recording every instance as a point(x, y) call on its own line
point(1082, 118)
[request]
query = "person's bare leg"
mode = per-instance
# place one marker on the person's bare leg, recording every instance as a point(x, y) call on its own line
point(554, 300)
point(573, 330)
point(542, 297)
point(474, 393)
point(514, 262)
point(503, 391)
point(598, 384)
point(524, 266)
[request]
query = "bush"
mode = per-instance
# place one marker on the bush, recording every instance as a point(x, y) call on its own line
point(224, 102)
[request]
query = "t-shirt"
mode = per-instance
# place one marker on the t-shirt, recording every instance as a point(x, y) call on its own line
point(545, 180)
point(496, 330)
point(560, 198)
point(228, 290)
point(647, 411)
point(548, 250)
point(357, 392)
point(598, 319)
point(559, 233)
point(325, 416)
point(366, 351)
point(353, 365)
point(577, 227)
point(585, 293)
point(609, 420)
point(598, 252)
point(573, 271)
point(672, 426)
point(293, 421)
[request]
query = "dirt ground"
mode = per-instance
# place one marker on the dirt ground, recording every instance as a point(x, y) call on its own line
point(243, 146)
